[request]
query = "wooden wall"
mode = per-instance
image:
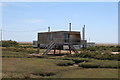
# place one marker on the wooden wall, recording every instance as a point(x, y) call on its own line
point(44, 38)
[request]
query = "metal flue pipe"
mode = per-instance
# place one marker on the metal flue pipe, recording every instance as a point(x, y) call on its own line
point(83, 32)
point(69, 26)
point(48, 29)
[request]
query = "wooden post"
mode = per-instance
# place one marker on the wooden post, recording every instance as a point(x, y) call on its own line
point(54, 50)
point(38, 49)
point(70, 49)
point(37, 52)
point(59, 51)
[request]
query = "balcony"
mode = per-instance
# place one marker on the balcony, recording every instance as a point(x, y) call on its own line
point(66, 41)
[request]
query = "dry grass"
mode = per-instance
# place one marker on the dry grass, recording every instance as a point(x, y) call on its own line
point(91, 73)
point(37, 67)
point(13, 67)
point(103, 44)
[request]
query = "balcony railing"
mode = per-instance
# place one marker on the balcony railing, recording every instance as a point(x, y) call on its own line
point(67, 40)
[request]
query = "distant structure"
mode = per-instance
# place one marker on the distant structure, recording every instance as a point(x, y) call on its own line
point(90, 44)
point(57, 40)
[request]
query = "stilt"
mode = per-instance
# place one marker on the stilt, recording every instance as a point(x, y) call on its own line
point(37, 52)
point(54, 50)
point(70, 49)
point(59, 51)
point(38, 49)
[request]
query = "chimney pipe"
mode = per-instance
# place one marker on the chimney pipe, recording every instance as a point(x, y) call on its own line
point(69, 26)
point(84, 32)
point(48, 29)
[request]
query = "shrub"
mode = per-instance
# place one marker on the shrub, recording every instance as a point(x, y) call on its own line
point(100, 55)
point(100, 64)
point(23, 50)
point(9, 43)
point(79, 60)
point(91, 49)
point(44, 74)
point(109, 66)
point(65, 63)
point(89, 65)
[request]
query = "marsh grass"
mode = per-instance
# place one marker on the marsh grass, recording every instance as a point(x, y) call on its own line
point(17, 63)
point(100, 64)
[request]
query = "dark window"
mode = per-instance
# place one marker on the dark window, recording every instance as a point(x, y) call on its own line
point(56, 35)
point(66, 37)
point(50, 36)
point(38, 45)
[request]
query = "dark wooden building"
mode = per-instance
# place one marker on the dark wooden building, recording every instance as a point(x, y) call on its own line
point(57, 39)
point(61, 36)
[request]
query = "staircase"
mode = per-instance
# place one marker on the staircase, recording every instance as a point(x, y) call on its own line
point(49, 47)
point(73, 48)
point(56, 43)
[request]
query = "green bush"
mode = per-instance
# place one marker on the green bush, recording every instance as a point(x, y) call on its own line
point(100, 64)
point(44, 74)
point(79, 60)
point(89, 65)
point(65, 63)
point(9, 43)
point(19, 50)
point(109, 66)
point(24, 46)
point(100, 55)
point(91, 49)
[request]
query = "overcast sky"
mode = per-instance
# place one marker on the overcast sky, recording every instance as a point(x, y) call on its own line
point(22, 21)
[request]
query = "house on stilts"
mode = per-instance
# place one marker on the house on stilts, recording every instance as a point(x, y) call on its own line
point(56, 40)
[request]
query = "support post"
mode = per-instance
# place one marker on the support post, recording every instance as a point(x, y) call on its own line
point(38, 49)
point(69, 49)
point(54, 50)
point(59, 51)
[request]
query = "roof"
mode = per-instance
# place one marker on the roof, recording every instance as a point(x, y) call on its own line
point(61, 31)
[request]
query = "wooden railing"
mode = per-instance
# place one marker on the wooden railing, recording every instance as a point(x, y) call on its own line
point(67, 40)
point(58, 41)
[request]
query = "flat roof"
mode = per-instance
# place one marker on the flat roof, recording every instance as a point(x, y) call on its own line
point(61, 31)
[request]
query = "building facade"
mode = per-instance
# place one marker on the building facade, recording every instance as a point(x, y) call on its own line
point(63, 37)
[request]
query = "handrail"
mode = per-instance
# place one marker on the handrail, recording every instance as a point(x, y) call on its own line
point(67, 40)
point(56, 41)
point(51, 45)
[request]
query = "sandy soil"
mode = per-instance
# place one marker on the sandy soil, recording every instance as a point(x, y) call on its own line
point(57, 52)
point(115, 52)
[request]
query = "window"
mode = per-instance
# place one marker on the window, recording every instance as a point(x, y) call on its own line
point(66, 35)
point(50, 36)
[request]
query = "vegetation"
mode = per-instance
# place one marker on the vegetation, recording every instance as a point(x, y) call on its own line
point(103, 48)
point(17, 52)
point(65, 63)
point(100, 64)
point(79, 60)
point(9, 43)
point(99, 52)
point(93, 62)
point(47, 68)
